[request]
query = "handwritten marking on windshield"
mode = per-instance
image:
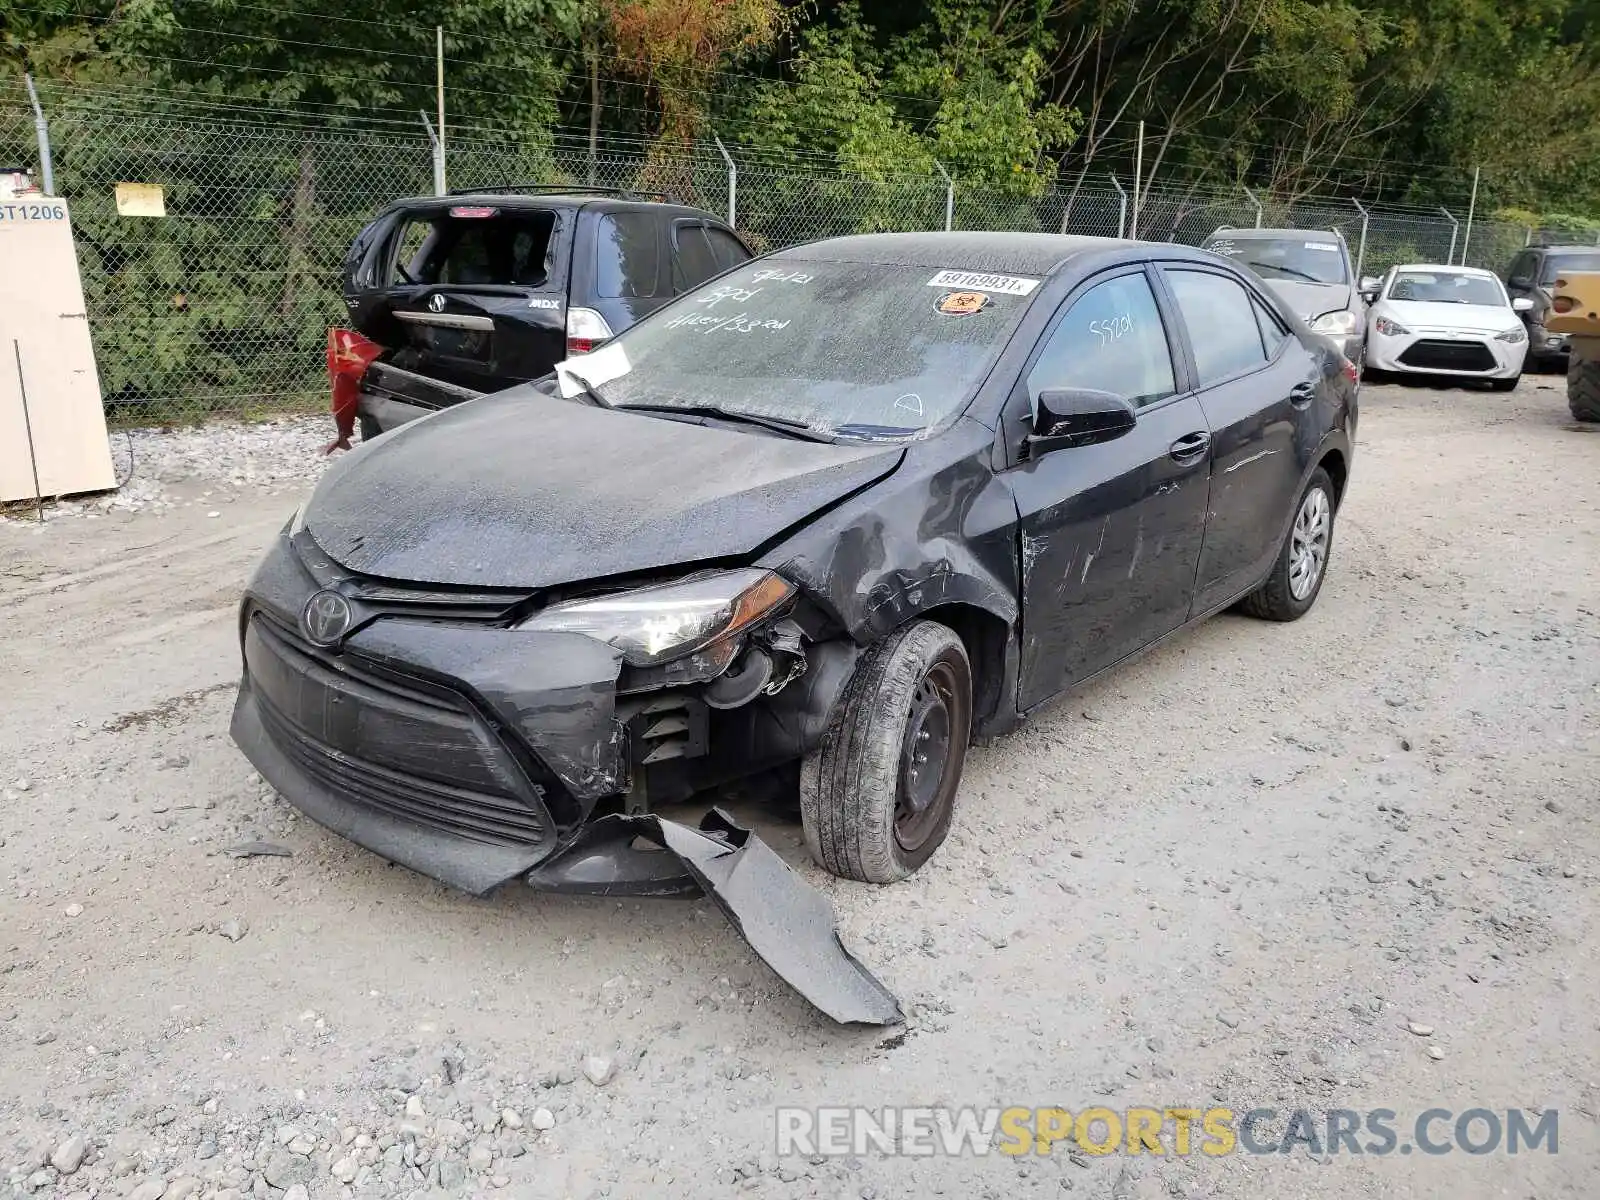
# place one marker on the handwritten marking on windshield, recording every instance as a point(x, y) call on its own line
point(911, 402)
point(738, 323)
point(777, 276)
point(726, 292)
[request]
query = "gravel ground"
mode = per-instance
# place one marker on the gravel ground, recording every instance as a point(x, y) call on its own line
point(1345, 863)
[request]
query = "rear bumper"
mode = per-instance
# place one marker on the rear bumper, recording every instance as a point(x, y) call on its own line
point(391, 397)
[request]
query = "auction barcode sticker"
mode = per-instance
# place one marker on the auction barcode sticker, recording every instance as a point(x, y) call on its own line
point(1010, 285)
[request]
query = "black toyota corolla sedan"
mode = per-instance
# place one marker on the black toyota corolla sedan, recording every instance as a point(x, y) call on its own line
point(850, 505)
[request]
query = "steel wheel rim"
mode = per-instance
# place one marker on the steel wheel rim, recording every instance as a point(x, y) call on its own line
point(925, 758)
point(1308, 543)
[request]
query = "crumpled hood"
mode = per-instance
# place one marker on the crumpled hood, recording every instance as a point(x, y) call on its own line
point(1438, 314)
point(1309, 301)
point(524, 490)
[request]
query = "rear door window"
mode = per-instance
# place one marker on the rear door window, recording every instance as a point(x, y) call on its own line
point(1223, 328)
point(501, 249)
point(1273, 334)
point(628, 263)
point(693, 261)
point(729, 250)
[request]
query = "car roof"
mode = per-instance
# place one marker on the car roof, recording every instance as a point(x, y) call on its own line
point(542, 201)
point(1446, 269)
point(1026, 253)
point(1275, 234)
point(1567, 248)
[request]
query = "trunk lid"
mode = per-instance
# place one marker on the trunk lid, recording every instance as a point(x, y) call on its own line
point(471, 293)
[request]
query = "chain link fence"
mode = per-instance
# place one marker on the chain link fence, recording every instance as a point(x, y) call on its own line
point(223, 305)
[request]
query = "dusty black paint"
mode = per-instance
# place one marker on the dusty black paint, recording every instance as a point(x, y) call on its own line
point(522, 489)
point(1052, 565)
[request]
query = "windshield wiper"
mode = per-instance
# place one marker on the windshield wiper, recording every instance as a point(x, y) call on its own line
point(1307, 276)
point(783, 425)
point(589, 392)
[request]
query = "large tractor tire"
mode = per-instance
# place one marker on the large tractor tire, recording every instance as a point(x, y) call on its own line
point(1583, 388)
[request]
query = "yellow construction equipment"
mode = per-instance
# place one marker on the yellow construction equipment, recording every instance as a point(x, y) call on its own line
point(1575, 311)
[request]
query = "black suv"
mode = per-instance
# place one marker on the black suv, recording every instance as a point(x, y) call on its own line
point(1533, 274)
point(454, 296)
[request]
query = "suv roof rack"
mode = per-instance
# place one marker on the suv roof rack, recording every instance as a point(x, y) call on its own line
point(563, 188)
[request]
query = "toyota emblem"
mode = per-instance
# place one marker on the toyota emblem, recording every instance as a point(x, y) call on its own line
point(326, 617)
point(436, 302)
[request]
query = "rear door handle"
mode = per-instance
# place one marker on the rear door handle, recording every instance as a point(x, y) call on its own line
point(1302, 394)
point(1190, 446)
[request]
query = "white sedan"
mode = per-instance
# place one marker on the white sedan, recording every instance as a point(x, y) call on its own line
point(1434, 320)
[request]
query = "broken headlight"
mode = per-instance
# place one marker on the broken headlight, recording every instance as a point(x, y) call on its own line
point(698, 619)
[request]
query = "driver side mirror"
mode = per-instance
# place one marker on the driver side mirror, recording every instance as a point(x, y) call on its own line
point(1065, 417)
point(1369, 287)
point(1522, 304)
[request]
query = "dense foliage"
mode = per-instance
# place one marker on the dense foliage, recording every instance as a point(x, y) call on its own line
point(1395, 98)
point(849, 116)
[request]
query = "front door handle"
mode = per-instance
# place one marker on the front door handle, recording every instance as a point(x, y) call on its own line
point(1190, 446)
point(1302, 394)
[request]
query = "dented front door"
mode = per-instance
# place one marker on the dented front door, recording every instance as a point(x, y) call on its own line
point(1110, 538)
point(1109, 534)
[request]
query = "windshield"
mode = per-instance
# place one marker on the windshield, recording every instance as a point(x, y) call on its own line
point(1446, 288)
point(1555, 264)
point(837, 348)
point(1303, 259)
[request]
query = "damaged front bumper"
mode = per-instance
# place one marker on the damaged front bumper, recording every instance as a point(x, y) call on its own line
point(475, 755)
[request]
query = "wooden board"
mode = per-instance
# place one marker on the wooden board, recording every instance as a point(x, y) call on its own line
point(42, 309)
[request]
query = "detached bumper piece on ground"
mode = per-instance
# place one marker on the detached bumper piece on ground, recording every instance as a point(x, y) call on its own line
point(474, 836)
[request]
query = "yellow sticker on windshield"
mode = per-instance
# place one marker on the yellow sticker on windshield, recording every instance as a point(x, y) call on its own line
point(963, 304)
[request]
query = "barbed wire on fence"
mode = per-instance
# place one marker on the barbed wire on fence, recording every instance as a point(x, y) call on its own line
point(224, 305)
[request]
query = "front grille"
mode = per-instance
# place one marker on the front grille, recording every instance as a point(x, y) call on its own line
point(479, 817)
point(389, 743)
point(1435, 355)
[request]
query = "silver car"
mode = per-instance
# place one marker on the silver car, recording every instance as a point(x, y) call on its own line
point(1310, 269)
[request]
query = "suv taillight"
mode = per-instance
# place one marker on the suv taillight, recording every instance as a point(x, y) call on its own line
point(586, 329)
point(349, 356)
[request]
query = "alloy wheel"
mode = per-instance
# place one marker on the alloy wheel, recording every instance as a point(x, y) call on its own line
point(1308, 543)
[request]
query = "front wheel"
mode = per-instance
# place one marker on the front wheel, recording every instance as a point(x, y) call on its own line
point(877, 796)
point(1297, 575)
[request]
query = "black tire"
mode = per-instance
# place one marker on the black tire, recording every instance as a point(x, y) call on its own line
point(1275, 600)
point(865, 812)
point(369, 427)
point(1506, 385)
point(1583, 389)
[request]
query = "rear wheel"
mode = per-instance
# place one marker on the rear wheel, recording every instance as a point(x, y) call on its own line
point(1583, 388)
point(877, 796)
point(1296, 578)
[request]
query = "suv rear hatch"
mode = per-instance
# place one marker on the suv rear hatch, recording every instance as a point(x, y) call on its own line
point(468, 291)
